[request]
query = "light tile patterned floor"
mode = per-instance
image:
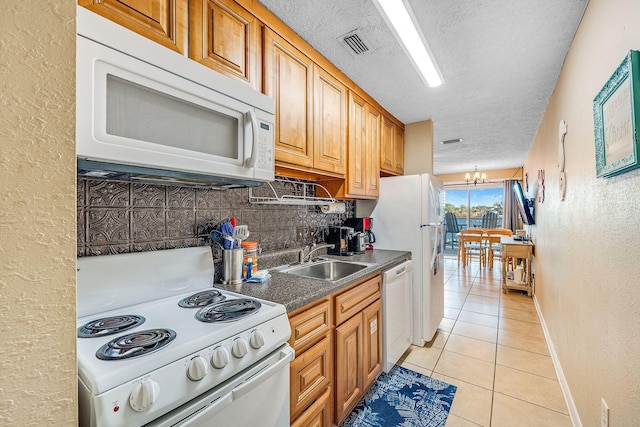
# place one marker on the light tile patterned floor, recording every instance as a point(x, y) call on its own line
point(491, 346)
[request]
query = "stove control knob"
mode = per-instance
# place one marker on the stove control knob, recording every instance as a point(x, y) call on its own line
point(198, 368)
point(220, 357)
point(257, 339)
point(239, 349)
point(144, 395)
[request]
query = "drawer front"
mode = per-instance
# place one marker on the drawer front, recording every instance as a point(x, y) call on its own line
point(309, 326)
point(520, 251)
point(356, 299)
point(310, 376)
point(317, 415)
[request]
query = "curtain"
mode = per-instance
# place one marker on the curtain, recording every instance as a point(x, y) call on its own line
point(510, 217)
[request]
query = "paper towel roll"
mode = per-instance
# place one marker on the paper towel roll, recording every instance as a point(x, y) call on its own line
point(333, 208)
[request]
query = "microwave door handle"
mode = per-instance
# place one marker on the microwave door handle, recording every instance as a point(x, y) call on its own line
point(251, 161)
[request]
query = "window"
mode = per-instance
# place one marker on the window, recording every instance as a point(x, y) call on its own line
point(470, 204)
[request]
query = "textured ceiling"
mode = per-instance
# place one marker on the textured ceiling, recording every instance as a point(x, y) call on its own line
point(500, 60)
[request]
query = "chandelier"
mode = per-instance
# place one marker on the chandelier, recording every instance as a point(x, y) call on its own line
point(477, 177)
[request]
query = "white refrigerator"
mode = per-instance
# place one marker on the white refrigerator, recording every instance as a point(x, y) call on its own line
point(409, 216)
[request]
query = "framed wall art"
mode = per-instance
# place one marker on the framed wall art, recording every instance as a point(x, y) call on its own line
point(616, 113)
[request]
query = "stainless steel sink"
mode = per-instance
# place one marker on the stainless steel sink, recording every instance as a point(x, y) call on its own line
point(325, 269)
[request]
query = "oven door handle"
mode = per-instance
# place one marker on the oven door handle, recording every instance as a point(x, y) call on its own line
point(264, 374)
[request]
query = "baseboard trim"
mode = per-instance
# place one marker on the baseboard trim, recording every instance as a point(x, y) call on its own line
point(564, 386)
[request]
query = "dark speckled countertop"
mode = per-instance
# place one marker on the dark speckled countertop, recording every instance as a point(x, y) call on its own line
point(295, 291)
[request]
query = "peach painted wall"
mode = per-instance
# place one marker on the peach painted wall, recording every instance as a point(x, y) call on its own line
point(37, 214)
point(587, 263)
point(418, 147)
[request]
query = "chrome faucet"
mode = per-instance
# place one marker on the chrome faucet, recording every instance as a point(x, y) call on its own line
point(312, 248)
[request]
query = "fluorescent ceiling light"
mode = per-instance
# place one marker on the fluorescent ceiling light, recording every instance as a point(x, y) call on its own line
point(400, 19)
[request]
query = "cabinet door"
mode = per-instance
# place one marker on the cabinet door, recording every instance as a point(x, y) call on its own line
point(387, 149)
point(372, 154)
point(399, 150)
point(317, 415)
point(288, 78)
point(163, 21)
point(310, 376)
point(372, 342)
point(225, 37)
point(348, 367)
point(329, 123)
point(356, 176)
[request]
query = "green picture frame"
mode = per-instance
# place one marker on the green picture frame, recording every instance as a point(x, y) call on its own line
point(616, 114)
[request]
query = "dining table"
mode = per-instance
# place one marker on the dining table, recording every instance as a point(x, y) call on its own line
point(486, 241)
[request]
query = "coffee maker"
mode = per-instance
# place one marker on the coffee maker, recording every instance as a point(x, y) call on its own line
point(340, 238)
point(365, 226)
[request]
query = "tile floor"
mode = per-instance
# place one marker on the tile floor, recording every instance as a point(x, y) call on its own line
point(491, 346)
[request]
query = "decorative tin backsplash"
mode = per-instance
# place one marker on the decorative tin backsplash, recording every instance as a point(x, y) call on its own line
point(121, 217)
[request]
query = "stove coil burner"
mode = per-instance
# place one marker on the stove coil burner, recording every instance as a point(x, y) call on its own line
point(202, 299)
point(228, 311)
point(109, 326)
point(135, 344)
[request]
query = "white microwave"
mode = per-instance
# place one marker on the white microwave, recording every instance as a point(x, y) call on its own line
point(147, 113)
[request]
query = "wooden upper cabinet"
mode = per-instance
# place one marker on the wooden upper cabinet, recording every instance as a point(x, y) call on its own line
point(356, 176)
point(329, 122)
point(372, 170)
point(288, 78)
point(363, 171)
point(163, 21)
point(399, 150)
point(391, 148)
point(225, 37)
point(387, 147)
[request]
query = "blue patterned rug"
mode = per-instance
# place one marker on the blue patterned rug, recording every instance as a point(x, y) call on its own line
point(403, 398)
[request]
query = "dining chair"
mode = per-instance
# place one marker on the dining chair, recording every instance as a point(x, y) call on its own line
point(471, 243)
point(494, 247)
point(490, 220)
point(451, 223)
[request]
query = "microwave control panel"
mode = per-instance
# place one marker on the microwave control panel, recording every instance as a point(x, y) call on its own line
point(265, 160)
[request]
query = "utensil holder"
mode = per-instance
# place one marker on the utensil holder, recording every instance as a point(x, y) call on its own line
point(232, 262)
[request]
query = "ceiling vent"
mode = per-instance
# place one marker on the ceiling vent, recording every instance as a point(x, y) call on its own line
point(355, 43)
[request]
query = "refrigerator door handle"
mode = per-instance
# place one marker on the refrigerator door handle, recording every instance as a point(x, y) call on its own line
point(432, 224)
point(432, 194)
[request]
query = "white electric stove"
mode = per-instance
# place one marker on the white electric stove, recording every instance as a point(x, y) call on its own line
point(159, 345)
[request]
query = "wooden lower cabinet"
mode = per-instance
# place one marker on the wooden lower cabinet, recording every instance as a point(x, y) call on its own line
point(338, 344)
point(318, 414)
point(311, 372)
point(372, 342)
point(358, 344)
point(310, 376)
point(349, 386)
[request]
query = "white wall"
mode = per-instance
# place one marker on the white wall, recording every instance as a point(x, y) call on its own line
point(37, 214)
point(587, 262)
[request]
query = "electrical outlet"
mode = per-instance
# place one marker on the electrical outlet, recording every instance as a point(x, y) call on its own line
point(604, 413)
point(311, 233)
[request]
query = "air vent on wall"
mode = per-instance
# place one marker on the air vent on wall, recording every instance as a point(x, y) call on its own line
point(451, 141)
point(355, 43)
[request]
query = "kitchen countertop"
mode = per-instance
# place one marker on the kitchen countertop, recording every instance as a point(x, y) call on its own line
point(296, 291)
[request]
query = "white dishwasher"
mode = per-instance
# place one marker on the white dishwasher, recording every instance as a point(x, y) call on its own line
point(396, 313)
